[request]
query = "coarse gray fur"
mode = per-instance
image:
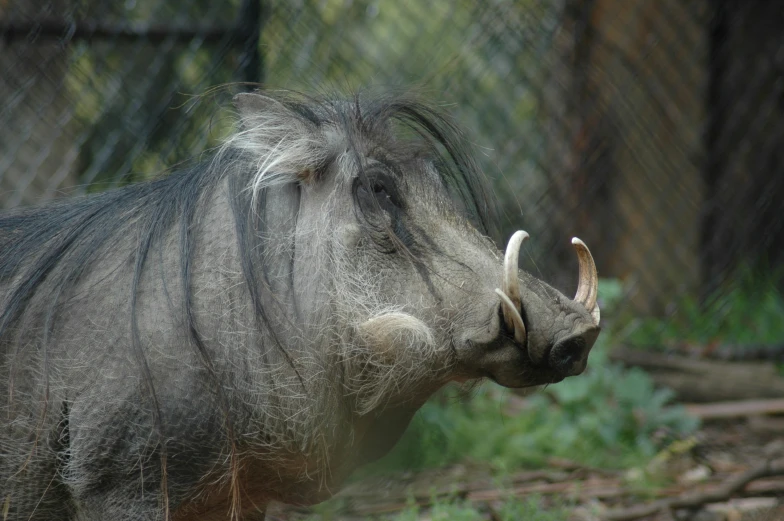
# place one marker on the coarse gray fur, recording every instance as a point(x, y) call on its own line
point(254, 327)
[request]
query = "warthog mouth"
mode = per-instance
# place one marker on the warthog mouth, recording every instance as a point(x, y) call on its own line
point(543, 380)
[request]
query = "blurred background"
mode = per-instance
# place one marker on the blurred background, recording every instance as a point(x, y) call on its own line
point(651, 129)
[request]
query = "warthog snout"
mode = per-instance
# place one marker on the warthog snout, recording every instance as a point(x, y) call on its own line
point(562, 331)
point(569, 356)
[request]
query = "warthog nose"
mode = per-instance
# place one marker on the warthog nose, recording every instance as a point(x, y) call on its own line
point(569, 356)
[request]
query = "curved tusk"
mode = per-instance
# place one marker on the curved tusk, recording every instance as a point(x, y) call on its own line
point(511, 312)
point(511, 284)
point(588, 285)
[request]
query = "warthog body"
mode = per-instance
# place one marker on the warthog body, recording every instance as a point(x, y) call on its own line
point(255, 327)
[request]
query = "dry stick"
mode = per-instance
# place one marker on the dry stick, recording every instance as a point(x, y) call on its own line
point(603, 489)
point(734, 409)
point(570, 465)
point(730, 487)
point(766, 487)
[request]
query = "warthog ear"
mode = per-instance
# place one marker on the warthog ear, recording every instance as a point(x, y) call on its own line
point(289, 146)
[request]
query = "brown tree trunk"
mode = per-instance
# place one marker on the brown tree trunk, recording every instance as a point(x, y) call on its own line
point(744, 219)
point(640, 86)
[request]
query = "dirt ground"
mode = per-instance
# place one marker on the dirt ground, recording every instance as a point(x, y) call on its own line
point(732, 470)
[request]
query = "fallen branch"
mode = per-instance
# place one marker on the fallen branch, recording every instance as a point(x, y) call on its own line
point(766, 487)
point(701, 380)
point(736, 409)
point(732, 352)
point(724, 492)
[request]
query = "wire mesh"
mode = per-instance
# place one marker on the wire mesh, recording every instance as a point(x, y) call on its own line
point(651, 129)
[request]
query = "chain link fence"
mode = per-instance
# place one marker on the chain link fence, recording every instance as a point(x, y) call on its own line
point(651, 129)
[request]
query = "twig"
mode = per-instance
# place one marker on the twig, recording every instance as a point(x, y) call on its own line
point(597, 489)
point(735, 408)
point(729, 488)
point(569, 465)
point(767, 487)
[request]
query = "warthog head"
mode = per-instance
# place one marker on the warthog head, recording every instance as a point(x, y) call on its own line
point(383, 243)
point(393, 268)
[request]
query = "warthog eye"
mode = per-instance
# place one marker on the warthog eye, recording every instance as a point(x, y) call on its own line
point(377, 191)
point(379, 206)
point(382, 195)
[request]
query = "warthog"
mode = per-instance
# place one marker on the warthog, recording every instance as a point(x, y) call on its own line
point(255, 327)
